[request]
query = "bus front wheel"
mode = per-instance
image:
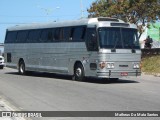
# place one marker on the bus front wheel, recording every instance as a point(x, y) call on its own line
point(21, 68)
point(79, 74)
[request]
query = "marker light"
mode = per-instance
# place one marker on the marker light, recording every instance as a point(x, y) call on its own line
point(102, 65)
point(110, 65)
point(106, 64)
point(136, 65)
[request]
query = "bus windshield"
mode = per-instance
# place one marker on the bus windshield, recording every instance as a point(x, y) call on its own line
point(120, 38)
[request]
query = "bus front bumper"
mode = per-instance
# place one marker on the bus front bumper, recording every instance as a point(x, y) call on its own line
point(117, 74)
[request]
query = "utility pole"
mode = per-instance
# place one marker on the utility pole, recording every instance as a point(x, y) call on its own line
point(82, 10)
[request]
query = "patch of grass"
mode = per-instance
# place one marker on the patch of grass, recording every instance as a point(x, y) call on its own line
point(151, 64)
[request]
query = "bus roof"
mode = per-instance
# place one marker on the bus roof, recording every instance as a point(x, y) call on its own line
point(80, 22)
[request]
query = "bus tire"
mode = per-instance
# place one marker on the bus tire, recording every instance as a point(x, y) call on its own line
point(113, 79)
point(1, 67)
point(79, 74)
point(21, 68)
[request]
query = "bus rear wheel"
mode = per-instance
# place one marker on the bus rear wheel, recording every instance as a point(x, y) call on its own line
point(21, 69)
point(1, 67)
point(113, 79)
point(79, 74)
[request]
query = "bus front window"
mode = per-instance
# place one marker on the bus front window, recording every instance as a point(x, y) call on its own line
point(120, 38)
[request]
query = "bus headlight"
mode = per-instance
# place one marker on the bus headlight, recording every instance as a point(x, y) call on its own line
point(106, 64)
point(110, 65)
point(136, 65)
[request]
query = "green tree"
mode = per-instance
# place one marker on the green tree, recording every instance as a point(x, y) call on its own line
point(138, 12)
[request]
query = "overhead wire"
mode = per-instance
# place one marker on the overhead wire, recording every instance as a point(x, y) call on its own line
point(10, 16)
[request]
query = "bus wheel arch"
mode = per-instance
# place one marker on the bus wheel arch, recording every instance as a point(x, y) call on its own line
point(79, 71)
point(21, 66)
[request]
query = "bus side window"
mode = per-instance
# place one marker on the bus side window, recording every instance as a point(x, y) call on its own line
point(57, 34)
point(11, 36)
point(79, 33)
point(22, 36)
point(61, 34)
point(50, 35)
point(66, 33)
point(43, 37)
point(33, 36)
point(91, 42)
point(71, 34)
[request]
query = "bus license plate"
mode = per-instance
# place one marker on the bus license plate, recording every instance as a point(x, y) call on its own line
point(124, 74)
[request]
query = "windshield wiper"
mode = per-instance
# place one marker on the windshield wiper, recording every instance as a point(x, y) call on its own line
point(114, 48)
point(132, 47)
point(133, 50)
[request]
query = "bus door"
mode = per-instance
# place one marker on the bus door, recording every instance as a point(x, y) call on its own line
point(92, 48)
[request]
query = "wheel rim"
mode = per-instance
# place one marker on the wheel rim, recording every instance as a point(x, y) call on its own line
point(22, 68)
point(78, 72)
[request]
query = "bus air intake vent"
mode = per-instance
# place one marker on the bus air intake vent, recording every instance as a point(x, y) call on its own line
point(120, 24)
point(108, 19)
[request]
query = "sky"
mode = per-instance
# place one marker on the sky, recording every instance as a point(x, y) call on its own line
point(16, 12)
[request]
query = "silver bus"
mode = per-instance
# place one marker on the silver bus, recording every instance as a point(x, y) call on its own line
point(97, 47)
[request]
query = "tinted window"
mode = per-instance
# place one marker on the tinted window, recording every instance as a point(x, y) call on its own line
point(78, 33)
point(22, 36)
point(34, 36)
point(92, 44)
point(11, 37)
point(118, 38)
point(61, 37)
point(9, 58)
point(50, 35)
point(57, 34)
point(44, 35)
point(67, 33)
point(47, 35)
